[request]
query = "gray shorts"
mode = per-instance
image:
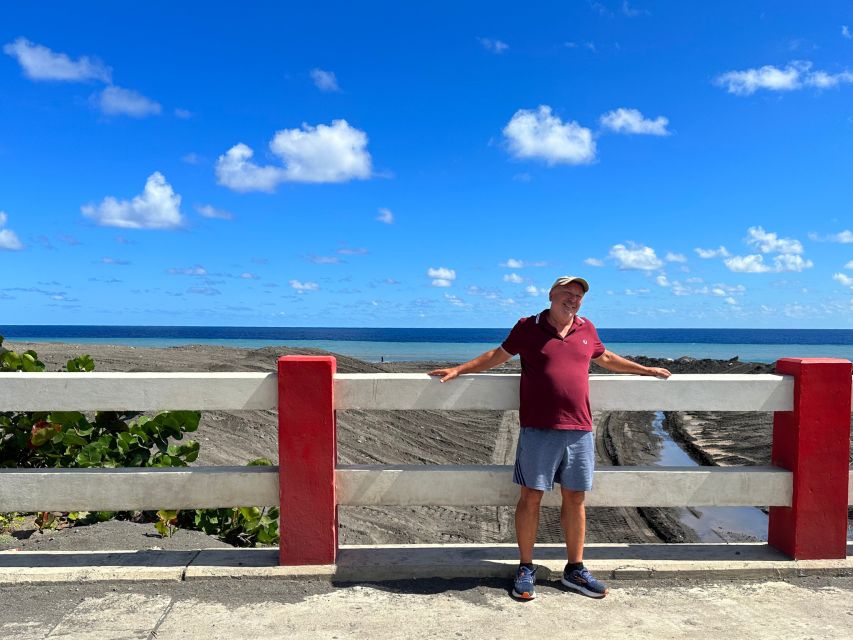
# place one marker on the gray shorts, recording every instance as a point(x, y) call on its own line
point(546, 456)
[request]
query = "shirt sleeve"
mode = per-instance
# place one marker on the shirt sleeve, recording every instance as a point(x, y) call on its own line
point(598, 348)
point(513, 342)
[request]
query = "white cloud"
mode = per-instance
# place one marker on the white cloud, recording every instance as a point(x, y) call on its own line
point(675, 257)
point(722, 252)
point(849, 265)
point(40, 63)
point(183, 114)
point(157, 207)
point(236, 171)
point(197, 270)
point(796, 75)
point(8, 240)
point(385, 215)
point(191, 158)
point(594, 262)
point(632, 121)
point(768, 242)
point(442, 277)
point(731, 300)
point(662, 280)
point(541, 135)
point(844, 237)
point(534, 291)
point(514, 278)
point(791, 262)
point(767, 77)
point(747, 264)
point(116, 101)
point(249, 276)
point(325, 80)
point(353, 251)
point(630, 12)
point(635, 257)
point(495, 46)
point(302, 287)
point(204, 291)
point(789, 250)
point(455, 300)
point(209, 211)
point(717, 290)
point(325, 153)
point(725, 289)
point(586, 45)
point(636, 292)
point(325, 259)
point(823, 80)
point(843, 279)
point(845, 32)
point(513, 263)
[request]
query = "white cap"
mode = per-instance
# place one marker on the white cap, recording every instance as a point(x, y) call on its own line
point(562, 281)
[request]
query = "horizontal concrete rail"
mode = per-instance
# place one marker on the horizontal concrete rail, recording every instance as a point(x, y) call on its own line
point(138, 391)
point(371, 485)
point(132, 489)
point(765, 392)
point(613, 487)
point(236, 391)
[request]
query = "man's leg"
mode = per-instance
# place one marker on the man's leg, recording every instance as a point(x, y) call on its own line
point(527, 522)
point(573, 521)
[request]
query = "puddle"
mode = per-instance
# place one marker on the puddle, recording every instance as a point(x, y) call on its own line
point(712, 524)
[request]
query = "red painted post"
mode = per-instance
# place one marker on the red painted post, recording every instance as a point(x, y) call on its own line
point(307, 456)
point(813, 441)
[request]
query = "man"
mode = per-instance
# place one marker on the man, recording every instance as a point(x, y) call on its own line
point(556, 441)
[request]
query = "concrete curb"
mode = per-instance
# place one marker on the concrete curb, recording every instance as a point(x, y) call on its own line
point(409, 562)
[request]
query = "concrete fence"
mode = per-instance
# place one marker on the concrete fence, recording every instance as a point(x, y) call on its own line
point(808, 488)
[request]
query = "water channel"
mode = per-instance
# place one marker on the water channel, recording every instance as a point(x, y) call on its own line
point(712, 524)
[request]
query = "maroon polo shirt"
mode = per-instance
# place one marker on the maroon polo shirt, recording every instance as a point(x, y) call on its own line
point(554, 390)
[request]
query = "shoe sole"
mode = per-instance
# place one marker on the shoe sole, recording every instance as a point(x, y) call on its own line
point(582, 589)
point(523, 596)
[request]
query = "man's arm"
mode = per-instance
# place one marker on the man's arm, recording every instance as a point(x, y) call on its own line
point(618, 364)
point(483, 362)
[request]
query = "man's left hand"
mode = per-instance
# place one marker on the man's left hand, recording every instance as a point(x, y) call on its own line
point(659, 372)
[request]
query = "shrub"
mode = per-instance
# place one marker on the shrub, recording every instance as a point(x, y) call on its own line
point(70, 439)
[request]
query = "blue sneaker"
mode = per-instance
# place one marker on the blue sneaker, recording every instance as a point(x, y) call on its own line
point(581, 580)
point(524, 586)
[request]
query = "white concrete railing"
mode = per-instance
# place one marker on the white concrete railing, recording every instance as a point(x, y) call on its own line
point(150, 489)
point(236, 391)
point(147, 489)
point(113, 489)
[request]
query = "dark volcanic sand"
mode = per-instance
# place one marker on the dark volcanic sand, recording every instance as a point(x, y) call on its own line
point(421, 437)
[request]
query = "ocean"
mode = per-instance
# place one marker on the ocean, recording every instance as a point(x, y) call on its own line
point(455, 345)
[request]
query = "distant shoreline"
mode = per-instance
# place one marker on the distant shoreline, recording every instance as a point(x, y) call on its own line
point(429, 351)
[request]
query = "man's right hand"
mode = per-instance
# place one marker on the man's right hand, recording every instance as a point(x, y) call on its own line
point(446, 374)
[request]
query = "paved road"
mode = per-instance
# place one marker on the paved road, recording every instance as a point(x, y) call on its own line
point(272, 608)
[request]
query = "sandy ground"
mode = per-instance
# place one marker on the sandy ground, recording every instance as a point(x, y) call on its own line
point(418, 437)
point(425, 609)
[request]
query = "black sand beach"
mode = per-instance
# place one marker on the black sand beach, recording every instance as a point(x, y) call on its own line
point(420, 437)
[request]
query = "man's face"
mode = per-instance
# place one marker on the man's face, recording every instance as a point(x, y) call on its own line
point(567, 299)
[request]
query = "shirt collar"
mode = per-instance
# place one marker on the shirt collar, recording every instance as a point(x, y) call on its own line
point(542, 321)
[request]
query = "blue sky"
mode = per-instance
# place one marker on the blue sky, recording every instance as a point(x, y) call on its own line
point(385, 164)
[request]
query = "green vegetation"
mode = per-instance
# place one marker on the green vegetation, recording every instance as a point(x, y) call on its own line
point(70, 439)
